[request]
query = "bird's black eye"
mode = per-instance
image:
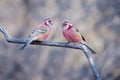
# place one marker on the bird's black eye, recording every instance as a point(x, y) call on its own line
point(49, 20)
point(64, 24)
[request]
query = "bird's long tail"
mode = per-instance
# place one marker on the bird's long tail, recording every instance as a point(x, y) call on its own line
point(26, 44)
point(93, 52)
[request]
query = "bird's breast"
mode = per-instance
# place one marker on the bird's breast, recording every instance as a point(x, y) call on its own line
point(71, 36)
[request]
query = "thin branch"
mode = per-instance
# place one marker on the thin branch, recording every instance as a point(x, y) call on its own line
point(57, 44)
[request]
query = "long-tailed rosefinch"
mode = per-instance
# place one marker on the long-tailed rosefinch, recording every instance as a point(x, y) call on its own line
point(72, 34)
point(41, 32)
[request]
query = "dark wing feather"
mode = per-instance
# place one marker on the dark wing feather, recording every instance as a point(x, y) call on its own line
point(78, 32)
point(83, 38)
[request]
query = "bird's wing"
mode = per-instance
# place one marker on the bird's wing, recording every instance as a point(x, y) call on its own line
point(35, 35)
point(39, 32)
point(77, 32)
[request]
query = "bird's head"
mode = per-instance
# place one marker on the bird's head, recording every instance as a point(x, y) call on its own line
point(48, 22)
point(67, 25)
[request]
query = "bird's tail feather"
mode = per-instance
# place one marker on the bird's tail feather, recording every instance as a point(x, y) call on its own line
point(26, 44)
point(93, 52)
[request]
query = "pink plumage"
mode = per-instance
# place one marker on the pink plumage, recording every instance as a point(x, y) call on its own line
point(72, 34)
point(41, 32)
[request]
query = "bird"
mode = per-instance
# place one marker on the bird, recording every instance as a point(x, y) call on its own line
point(72, 34)
point(40, 33)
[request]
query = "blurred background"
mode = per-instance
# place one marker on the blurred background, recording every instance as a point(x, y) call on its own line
point(97, 20)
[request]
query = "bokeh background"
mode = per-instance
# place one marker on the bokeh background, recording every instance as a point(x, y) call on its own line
point(97, 20)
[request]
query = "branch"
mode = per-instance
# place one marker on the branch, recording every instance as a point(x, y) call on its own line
point(57, 44)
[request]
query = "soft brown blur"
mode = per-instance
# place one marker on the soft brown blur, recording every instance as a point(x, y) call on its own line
point(98, 21)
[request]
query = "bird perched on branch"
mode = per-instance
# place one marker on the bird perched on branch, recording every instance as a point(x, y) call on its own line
point(41, 32)
point(72, 34)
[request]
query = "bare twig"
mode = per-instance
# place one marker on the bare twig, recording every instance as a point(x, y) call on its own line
point(57, 44)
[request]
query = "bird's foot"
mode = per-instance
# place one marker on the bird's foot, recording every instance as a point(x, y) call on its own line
point(68, 42)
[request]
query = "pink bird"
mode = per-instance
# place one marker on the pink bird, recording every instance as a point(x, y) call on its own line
point(71, 34)
point(41, 32)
